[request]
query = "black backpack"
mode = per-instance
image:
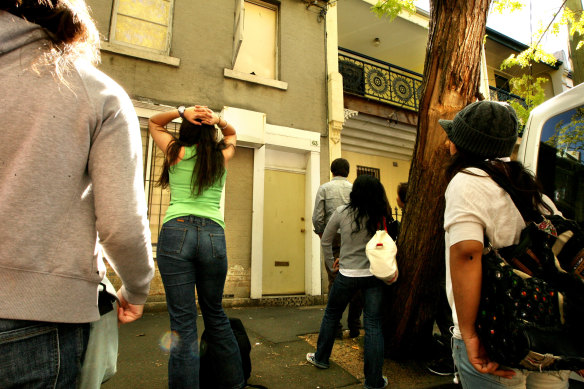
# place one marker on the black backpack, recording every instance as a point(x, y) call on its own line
point(531, 313)
point(206, 373)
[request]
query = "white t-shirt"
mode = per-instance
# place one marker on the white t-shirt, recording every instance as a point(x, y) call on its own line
point(475, 206)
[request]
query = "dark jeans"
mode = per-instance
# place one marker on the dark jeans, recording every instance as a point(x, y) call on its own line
point(41, 355)
point(191, 253)
point(356, 303)
point(343, 290)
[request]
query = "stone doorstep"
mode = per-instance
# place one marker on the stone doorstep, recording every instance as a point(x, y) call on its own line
point(157, 303)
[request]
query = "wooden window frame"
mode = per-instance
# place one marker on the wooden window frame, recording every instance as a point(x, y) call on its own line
point(238, 33)
point(112, 31)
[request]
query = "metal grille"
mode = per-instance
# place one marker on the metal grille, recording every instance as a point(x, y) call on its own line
point(367, 170)
point(158, 198)
point(378, 80)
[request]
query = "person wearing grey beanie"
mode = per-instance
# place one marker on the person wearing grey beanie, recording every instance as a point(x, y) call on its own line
point(486, 129)
point(481, 138)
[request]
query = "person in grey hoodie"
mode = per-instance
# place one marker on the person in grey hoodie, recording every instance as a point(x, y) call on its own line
point(368, 210)
point(71, 187)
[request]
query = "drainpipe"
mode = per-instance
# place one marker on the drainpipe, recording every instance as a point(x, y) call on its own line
point(335, 111)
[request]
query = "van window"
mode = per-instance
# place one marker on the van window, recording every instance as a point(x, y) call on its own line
point(560, 165)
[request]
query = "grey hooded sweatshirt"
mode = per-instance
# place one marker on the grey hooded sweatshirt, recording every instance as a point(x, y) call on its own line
point(71, 185)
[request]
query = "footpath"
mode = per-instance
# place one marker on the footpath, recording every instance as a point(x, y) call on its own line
point(280, 338)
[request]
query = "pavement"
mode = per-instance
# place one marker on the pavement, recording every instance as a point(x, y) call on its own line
point(280, 338)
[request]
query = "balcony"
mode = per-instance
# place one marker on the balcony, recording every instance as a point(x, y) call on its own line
point(380, 81)
point(498, 94)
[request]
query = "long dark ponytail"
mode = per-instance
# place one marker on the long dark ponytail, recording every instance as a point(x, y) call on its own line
point(210, 163)
point(523, 183)
point(368, 202)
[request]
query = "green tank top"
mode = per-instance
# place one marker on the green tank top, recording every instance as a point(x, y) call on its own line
point(182, 200)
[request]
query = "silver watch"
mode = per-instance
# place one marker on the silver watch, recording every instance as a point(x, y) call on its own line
point(181, 111)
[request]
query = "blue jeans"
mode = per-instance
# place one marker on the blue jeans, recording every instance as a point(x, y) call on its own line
point(344, 288)
point(41, 355)
point(191, 253)
point(472, 379)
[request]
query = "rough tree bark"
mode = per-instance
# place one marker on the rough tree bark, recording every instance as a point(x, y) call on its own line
point(452, 74)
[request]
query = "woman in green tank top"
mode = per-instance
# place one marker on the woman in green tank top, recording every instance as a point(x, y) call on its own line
point(191, 247)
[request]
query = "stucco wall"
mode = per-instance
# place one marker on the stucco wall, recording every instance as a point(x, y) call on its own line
point(238, 222)
point(203, 40)
point(390, 175)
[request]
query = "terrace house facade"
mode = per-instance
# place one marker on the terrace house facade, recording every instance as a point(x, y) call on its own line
point(261, 65)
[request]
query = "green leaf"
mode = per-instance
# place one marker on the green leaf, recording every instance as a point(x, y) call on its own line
point(531, 91)
point(500, 6)
point(392, 8)
point(533, 54)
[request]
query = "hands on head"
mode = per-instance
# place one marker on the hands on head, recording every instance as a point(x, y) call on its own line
point(200, 114)
point(127, 312)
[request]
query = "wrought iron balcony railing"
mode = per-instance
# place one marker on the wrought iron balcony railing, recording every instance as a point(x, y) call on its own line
point(378, 80)
point(498, 94)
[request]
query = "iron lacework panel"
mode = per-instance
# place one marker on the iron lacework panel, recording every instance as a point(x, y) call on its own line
point(378, 80)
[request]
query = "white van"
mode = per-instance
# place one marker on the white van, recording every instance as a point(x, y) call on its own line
point(559, 167)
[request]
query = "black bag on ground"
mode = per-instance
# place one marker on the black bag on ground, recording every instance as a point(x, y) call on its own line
point(531, 313)
point(207, 373)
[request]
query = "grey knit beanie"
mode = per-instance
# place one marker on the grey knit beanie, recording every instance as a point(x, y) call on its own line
point(487, 129)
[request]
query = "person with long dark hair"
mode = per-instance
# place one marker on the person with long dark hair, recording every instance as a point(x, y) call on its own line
point(71, 187)
point(480, 140)
point(368, 210)
point(191, 249)
point(329, 197)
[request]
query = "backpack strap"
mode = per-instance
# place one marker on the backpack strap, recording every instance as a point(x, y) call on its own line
point(384, 225)
point(393, 226)
point(527, 212)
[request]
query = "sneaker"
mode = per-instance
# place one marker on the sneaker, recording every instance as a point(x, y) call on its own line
point(385, 384)
point(443, 366)
point(310, 358)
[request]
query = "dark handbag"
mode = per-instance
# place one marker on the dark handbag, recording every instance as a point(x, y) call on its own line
point(105, 299)
point(209, 357)
point(531, 312)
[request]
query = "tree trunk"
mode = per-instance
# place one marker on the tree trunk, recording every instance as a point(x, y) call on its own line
point(452, 74)
point(576, 55)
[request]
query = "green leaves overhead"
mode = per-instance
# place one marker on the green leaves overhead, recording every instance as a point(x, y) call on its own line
point(531, 90)
point(532, 55)
point(501, 6)
point(392, 8)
